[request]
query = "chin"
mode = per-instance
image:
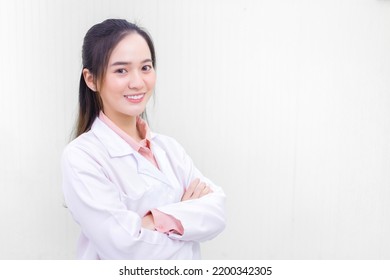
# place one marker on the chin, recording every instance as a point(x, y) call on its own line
point(134, 113)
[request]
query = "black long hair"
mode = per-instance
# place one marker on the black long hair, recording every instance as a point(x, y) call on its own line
point(98, 45)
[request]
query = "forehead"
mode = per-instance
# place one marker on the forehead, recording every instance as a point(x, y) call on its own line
point(132, 48)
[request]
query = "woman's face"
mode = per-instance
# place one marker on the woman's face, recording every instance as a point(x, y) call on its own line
point(129, 79)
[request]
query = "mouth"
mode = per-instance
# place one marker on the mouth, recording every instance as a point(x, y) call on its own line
point(135, 98)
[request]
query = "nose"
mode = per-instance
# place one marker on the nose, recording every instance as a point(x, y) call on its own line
point(136, 81)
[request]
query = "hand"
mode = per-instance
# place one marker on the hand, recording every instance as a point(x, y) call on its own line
point(196, 190)
point(148, 222)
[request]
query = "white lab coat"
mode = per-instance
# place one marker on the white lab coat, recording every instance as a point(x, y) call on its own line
point(108, 187)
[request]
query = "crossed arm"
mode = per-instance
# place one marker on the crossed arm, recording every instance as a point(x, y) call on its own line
point(196, 189)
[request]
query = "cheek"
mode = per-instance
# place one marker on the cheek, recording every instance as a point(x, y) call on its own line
point(151, 81)
point(113, 87)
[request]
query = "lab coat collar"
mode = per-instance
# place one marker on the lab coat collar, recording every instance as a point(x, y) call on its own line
point(117, 147)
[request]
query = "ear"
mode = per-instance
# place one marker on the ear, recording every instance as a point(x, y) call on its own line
point(89, 79)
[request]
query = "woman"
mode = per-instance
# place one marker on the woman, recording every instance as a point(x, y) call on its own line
point(134, 193)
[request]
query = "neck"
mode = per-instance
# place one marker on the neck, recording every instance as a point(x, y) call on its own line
point(127, 123)
point(131, 129)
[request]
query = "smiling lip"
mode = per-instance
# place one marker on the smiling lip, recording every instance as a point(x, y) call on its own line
point(135, 98)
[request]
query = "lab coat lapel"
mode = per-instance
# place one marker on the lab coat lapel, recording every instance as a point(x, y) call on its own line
point(147, 168)
point(164, 164)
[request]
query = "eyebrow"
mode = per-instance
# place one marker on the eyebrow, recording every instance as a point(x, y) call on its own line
point(117, 63)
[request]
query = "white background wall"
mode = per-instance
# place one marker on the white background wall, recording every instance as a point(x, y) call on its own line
point(285, 104)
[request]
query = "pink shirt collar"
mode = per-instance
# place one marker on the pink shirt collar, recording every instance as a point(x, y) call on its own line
point(142, 127)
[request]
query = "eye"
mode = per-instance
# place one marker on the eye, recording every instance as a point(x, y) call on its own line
point(147, 68)
point(121, 71)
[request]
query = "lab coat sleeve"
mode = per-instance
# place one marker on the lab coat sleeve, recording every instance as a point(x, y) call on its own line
point(95, 204)
point(203, 218)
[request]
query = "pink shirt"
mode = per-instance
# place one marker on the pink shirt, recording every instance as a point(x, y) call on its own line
point(163, 222)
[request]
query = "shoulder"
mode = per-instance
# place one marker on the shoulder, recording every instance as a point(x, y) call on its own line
point(170, 145)
point(84, 141)
point(166, 141)
point(85, 145)
point(92, 141)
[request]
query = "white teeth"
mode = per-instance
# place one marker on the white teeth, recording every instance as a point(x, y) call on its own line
point(134, 97)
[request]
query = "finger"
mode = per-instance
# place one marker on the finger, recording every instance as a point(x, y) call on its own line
point(199, 188)
point(205, 191)
point(190, 190)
